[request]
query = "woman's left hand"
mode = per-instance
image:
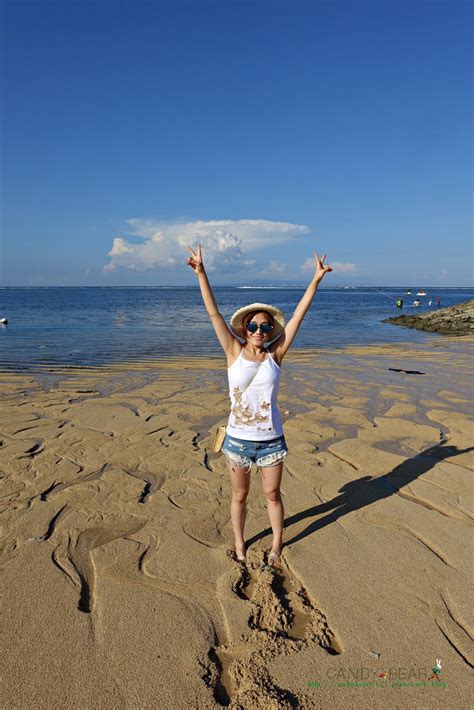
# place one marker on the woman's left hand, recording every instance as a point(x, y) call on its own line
point(321, 267)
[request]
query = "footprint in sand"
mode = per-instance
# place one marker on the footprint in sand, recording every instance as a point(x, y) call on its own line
point(282, 619)
point(75, 557)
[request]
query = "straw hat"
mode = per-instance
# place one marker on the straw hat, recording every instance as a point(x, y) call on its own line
point(278, 317)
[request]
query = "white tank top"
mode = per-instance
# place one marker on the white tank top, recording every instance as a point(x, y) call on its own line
point(254, 412)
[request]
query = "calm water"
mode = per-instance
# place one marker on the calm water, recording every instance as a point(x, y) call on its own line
point(92, 326)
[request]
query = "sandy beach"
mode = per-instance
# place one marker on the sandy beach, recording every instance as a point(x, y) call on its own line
point(118, 588)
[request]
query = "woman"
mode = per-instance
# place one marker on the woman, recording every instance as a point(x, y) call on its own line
point(254, 431)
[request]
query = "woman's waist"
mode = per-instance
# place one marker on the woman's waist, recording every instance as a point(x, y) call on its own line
point(267, 430)
point(257, 443)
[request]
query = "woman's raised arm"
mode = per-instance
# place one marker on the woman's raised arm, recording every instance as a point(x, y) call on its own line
point(291, 328)
point(226, 338)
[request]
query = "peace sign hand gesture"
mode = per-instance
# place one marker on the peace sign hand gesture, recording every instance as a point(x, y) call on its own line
point(195, 260)
point(321, 267)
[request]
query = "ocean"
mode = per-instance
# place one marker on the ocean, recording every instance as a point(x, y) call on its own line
point(98, 325)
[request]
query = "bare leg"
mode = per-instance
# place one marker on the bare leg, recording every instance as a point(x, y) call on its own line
point(240, 480)
point(271, 481)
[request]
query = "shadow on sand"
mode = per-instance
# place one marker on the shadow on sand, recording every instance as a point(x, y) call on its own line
point(367, 490)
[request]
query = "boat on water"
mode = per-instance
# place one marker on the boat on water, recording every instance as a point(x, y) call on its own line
point(408, 293)
point(421, 293)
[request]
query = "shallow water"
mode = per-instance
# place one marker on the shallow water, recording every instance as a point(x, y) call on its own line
point(93, 326)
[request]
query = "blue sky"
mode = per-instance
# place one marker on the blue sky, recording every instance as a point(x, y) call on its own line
point(266, 129)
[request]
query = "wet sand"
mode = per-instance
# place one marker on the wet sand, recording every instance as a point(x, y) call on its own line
point(118, 586)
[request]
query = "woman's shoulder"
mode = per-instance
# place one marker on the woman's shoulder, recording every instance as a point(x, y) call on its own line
point(272, 350)
point(238, 350)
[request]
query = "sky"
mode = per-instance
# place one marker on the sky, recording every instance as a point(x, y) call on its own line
point(267, 130)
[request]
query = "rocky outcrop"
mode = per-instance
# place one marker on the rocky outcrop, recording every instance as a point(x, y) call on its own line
point(455, 320)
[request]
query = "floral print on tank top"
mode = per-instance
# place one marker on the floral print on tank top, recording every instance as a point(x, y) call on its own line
point(242, 412)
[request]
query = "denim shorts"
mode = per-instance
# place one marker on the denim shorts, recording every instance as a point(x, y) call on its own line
point(263, 453)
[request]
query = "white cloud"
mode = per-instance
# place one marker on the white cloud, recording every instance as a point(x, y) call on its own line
point(119, 246)
point(225, 243)
point(343, 267)
point(339, 267)
point(275, 267)
point(309, 264)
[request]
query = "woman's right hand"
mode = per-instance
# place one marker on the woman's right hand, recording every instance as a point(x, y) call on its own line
point(195, 260)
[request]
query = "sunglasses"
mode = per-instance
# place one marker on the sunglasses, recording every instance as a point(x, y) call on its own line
point(265, 328)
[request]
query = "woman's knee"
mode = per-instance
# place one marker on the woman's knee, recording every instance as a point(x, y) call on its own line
point(240, 495)
point(273, 496)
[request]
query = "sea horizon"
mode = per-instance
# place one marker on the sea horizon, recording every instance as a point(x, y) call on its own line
point(269, 286)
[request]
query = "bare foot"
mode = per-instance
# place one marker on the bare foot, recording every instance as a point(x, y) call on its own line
point(274, 557)
point(240, 552)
